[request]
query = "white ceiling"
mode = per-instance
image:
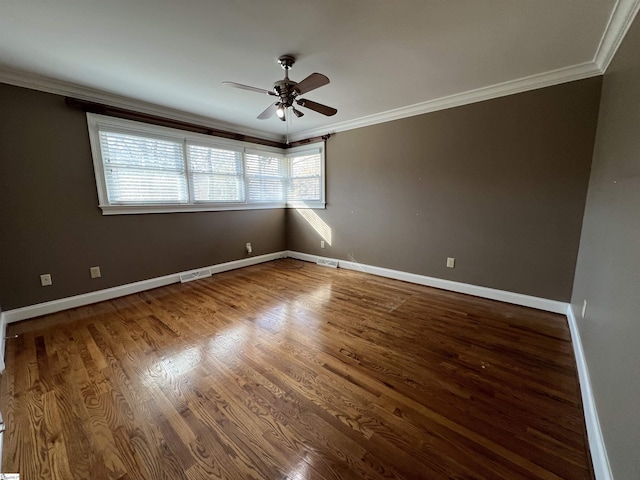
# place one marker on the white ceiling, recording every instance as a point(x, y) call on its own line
point(385, 58)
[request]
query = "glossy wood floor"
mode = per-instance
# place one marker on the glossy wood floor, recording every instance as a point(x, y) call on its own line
point(276, 372)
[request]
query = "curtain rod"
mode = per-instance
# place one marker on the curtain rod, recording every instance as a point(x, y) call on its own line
point(103, 109)
point(309, 140)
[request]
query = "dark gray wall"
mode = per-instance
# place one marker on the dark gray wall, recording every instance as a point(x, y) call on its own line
point(608, 269)
point(499, 185)
point(50, 221)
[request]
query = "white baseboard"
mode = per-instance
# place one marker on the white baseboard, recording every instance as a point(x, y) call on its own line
point(54, 306)
point(3, 332)
point(3, 335)
point(597, 447)
point(484, 292)
point(1, 444)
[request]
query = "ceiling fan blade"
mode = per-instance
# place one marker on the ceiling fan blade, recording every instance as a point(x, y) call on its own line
point(318, 107)
point(247, 87)
point(269, 111)
point(313, 81)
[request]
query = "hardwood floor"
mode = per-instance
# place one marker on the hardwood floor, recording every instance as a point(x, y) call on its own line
point(275, 372)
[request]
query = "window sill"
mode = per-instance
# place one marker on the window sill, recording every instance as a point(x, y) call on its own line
point(313, 205)
point(144, 209)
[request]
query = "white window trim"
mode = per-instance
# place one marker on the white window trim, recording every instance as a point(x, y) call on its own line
point(95, 122)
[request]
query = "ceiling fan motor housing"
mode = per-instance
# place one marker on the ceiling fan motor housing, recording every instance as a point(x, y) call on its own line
point(285, 89)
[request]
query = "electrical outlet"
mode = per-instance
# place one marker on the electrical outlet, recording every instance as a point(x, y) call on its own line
point(321, 243)
point(45, 280)
point(95, 272)
point(584, 308)
point(249, 249)
point(451, 262)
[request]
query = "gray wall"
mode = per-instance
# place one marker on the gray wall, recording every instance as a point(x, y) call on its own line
point(499, 185)
point(50, 221)
point(608, 269)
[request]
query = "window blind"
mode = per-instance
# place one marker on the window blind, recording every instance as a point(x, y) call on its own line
point(305, 178)
point(143, 169)
point(216, 174)
point(265, 177)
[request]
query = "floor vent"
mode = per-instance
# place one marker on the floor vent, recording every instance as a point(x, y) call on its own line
point(328, 262)
point(190, 276)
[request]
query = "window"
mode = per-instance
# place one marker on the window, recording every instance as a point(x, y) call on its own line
point(306, 186)
point(216, 175)
point(266, 177)
point(143, 168)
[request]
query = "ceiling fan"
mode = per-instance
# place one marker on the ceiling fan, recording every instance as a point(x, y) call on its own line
point(288, 91)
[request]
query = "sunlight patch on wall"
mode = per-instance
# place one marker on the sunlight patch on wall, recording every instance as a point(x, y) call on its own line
point(316, 223)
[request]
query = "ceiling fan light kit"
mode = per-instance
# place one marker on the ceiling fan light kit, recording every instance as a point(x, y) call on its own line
point(288, 90)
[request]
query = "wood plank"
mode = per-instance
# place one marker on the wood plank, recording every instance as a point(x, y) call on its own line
point(274, 372)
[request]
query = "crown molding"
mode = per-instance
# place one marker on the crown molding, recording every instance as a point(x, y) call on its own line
point(563, 75)
point(68, 89)
point(619, 22)
point(533, 82)
point(58, 87)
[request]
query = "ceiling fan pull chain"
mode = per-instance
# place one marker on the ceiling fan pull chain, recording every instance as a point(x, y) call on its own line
point(288, 120)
